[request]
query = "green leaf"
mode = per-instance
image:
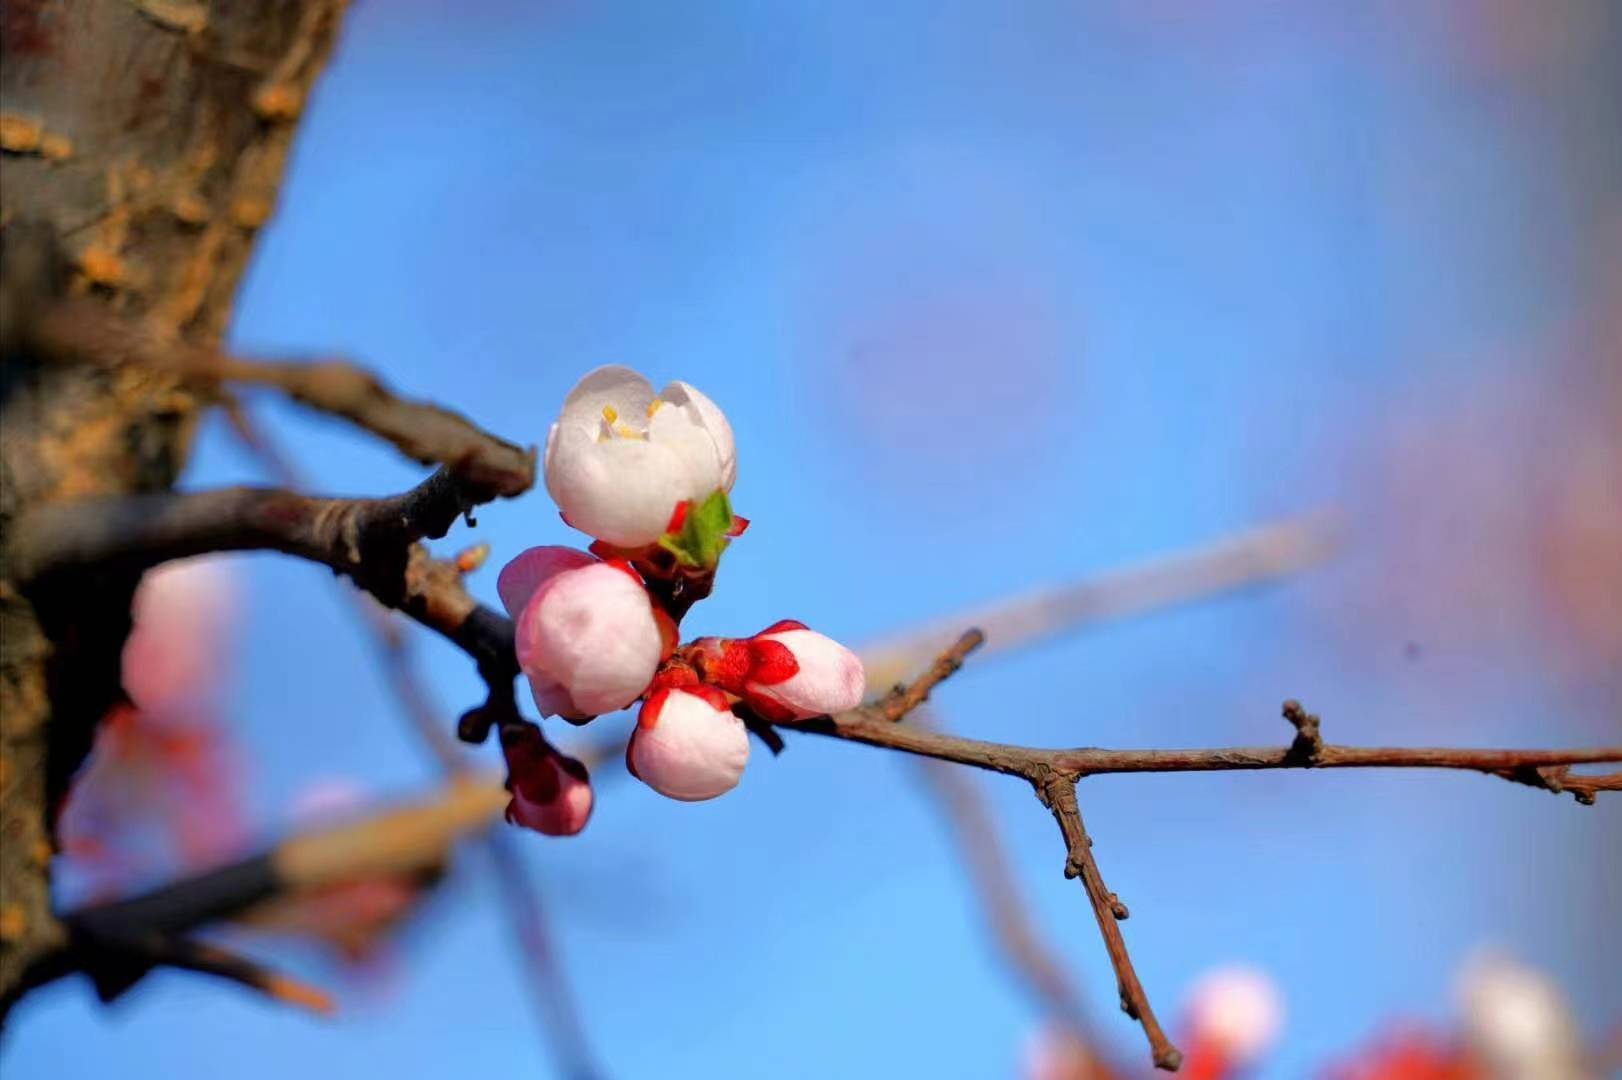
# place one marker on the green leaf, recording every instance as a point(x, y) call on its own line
point(703, 535)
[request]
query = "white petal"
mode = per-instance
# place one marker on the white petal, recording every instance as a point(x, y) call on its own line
point(622, 490)
point(681, 431)
point(709, 416)
point(613, 386)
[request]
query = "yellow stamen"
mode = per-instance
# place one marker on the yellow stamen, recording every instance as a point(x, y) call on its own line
point(610, 414)
point(654, 406)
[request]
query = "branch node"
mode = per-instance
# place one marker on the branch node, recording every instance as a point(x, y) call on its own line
point(1308, 747)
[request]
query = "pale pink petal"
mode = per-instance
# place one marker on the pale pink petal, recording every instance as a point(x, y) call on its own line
point(830, 680)
point(529, 570)
point(552, 699)
point(693, 751)
point(592, 632)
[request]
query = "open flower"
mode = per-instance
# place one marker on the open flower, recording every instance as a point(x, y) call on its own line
point(788, 672)
point(688, 745)
point(551, 793)
point(588, 636)
point(620, 460)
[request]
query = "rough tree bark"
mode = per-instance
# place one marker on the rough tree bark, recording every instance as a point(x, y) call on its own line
point(143, 145)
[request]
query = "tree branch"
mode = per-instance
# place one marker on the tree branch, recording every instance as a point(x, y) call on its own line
point(372, 541)
point(1059, 795)
point(1532, 767)
point(84, 332)
point(403, 839)
point(540, 969)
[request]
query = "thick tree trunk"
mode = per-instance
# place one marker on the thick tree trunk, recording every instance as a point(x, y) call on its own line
point(144, 141)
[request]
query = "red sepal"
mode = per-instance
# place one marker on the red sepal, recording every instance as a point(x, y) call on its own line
point(677, 676)
point(678, 516)
point(625, 568)
point(771, 662)
point(649, 714)
point(729, 665)
point(714, 695)
point(769, 709)
point(739, 524)
point(669, 633)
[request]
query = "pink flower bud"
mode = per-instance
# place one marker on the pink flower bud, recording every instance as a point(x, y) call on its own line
point(551, 793)
point(688, 745)
point(794, 673)
point(1234, 1017)
point(588, 635)
point(619, 460)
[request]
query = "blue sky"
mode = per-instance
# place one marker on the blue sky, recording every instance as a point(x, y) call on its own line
point(992, 300)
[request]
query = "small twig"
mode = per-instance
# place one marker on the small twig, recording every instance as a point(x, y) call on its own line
point(903, 699)
point(1308, 746)
point(119, 964)
point(1059, 795)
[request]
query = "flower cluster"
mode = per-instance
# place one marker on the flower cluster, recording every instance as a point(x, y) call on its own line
point(647, 476)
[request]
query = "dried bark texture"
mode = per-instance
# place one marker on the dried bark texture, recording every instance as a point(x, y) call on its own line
point(142, 143)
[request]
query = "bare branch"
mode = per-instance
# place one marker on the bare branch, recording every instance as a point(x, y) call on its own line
point(539, 968)
point(904, 699)
point(1036, 764)
point(373, 541)
point(84, 332)
point(1059, 795)
point(116, 965)
point(337, 532)
point(400, 840)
